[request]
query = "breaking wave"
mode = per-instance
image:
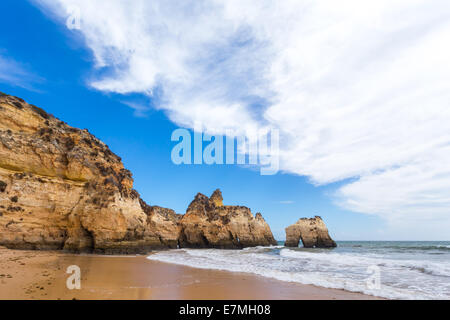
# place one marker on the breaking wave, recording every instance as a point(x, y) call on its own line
point(403, 274)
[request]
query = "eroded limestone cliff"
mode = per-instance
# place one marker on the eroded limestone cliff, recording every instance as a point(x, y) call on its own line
point(62, 188)
point(209, 224)
point(311, 231)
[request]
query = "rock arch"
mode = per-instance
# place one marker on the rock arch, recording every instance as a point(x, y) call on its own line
point(311, 231)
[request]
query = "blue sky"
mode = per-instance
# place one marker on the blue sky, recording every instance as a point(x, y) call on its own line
point(122, 82)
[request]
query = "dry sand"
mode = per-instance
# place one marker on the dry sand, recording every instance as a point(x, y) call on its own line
point(42, 275)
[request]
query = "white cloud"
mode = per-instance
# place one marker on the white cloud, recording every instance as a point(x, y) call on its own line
point(358, 89)
point(286, 202)
point(16, 74)
point(140, 109)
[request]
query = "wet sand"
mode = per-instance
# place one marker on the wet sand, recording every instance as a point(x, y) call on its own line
point(42, 275)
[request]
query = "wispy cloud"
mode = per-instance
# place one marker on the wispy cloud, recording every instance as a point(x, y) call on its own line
point(286, 202)
point(358, 89)
point(140, 109)
point(16, 74)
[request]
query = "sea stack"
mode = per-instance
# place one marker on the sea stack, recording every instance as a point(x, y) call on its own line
point(311, 231)
point(62, 188)
point(210, 224)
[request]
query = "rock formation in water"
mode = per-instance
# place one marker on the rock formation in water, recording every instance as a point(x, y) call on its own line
point(311, 231)
point(209, 224)
point(62, 188)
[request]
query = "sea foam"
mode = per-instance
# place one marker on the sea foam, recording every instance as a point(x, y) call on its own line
point(402, 275)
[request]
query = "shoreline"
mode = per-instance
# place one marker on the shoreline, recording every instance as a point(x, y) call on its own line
point(34, 275)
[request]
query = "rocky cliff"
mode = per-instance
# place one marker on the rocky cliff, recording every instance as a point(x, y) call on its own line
point(62, 188)
point(311, 231)
point(210, 224)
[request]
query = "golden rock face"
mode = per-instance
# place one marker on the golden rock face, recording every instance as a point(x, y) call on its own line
point(62, 188)
point(69, 190)
point(209, 224)
point(217, 198)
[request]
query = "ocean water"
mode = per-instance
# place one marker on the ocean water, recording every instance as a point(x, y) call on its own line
point(390, 269)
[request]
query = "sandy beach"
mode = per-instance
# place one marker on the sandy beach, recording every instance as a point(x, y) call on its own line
point(42, 275)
